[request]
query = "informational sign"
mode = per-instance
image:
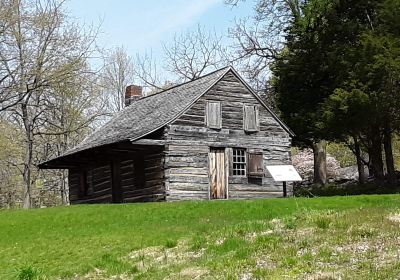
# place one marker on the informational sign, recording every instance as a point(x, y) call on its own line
point(284, 173)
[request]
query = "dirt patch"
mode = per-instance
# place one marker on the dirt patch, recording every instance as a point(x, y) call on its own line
point(162, 257)
point(99, 274)
point(394, 217)
point(193, 273)
point(324, 276)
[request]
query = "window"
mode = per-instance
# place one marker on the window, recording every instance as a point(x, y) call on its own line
point(239, 162)
point(255, 166)
point(214, 115)
point(250, 118)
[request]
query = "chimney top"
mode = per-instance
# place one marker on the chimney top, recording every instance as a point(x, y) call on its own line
point(132, 93)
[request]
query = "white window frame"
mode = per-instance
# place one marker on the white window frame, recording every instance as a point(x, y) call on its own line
point(241, 171)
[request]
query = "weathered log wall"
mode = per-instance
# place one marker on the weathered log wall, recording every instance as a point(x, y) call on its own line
point(189, 141)
point(147, 178)
point(186, 171)
point(141, 178)
point(98, 181)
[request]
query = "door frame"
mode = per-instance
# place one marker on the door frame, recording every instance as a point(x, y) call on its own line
point(226, 164)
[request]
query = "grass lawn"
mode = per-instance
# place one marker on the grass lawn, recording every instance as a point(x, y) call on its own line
point(354, 237)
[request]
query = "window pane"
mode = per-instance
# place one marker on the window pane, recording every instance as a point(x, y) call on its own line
point(239, 162)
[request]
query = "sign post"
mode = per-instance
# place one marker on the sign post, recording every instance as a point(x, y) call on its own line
point(284, 173)
point(284, 189)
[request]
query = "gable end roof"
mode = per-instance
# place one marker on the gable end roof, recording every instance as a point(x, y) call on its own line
point(150, 113)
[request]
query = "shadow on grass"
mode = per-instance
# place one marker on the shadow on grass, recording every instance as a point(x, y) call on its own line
point(345, 190)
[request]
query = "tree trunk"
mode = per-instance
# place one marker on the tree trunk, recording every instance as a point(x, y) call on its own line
point(319, 150)
point(63, 190)
point(375, 154)
point(387, 143)
point(27, 199)
point(27, 172)
point(360, 163)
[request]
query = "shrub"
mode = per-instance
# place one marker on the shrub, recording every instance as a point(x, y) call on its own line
point(171, 243)
point(28, 273)
point(322, 222)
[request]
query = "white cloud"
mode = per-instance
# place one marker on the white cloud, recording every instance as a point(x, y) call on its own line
point(179, 14)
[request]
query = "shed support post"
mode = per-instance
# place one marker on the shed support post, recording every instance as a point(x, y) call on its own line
point(284, 189)
point(116, 181)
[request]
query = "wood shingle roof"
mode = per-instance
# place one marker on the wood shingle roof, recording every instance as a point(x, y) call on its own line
point(150, 113)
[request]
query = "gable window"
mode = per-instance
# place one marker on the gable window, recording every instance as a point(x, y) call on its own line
point(255, 165)
point(239, 162)
point(214, 115)
point(250, 118)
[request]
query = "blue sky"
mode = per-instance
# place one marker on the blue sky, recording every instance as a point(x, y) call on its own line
point(145, 25)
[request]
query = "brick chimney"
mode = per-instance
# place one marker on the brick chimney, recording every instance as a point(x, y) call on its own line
point(132, 93)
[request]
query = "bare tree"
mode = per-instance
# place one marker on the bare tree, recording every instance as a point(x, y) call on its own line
point(118, 72)
point(260, 38)
point(11, 155)
point(147, 71)
point(192, 54)
point(70, 113)
point(8, 94)
point(189, 56)
point(40, 49)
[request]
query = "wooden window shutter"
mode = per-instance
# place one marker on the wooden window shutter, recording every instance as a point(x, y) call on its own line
point(214, 115)
point(255, 164)
point(251, 118)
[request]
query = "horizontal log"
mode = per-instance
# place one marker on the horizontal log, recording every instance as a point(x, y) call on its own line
point(101, 186)
point(192, 123)
point(101, 192)
point(154, 169)
point(152, 183)
point(146, 198)
point(255, 188)
point(127, 188)
point(176, 186)
point(126, 182)
point(186, 153)
point(189, 179)
point(104, 198)
point(188, 170)
point(171, 148)
point(176, 164)
point(143, 191)
point(174, 195)
point(252, 195)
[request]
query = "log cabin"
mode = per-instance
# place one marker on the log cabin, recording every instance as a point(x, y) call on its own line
point(210, 138)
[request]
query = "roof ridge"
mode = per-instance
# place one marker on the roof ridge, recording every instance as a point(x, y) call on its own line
point(152, 95)
point(227, 69)
point(181, 84)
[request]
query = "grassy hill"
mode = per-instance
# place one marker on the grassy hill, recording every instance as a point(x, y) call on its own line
point(321, 238)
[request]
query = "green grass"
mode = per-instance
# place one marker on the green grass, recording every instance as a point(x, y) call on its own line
point(296, 237)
